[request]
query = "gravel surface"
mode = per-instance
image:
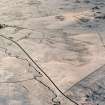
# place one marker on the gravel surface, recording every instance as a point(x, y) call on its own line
point(65, 38)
